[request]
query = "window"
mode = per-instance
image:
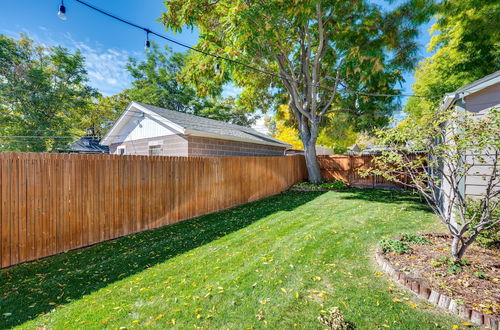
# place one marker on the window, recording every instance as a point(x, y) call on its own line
point(155, 150)
point(121, 151)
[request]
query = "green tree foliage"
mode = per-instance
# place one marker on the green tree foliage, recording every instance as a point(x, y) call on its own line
point(156, 81)
point(466, 43)
point(44, 96)
point(319, 50)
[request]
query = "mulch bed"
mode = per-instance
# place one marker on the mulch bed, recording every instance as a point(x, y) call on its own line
point(426, 265)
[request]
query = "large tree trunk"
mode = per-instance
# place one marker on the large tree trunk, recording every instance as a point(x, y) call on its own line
point(308, 135)
point(313, 170)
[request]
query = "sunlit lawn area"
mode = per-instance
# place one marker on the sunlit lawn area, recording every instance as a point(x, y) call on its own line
point(284, 258)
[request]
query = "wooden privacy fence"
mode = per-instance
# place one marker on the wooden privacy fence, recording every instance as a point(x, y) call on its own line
point(52, 203)
point(346, 167)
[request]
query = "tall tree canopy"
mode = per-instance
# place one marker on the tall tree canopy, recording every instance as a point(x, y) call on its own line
point(44, 95)
point(319, 52)
point(156, 81)
point(466, 43)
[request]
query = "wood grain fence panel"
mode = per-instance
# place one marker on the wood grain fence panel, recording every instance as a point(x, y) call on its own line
point(347, 167)
point(51, 203)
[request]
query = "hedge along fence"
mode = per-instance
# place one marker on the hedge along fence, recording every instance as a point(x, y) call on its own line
point(51, 203)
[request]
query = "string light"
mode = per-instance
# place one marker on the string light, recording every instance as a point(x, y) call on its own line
point(147, 44)
point(62, 11)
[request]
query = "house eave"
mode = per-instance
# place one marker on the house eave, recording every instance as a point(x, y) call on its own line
point(234, 138)
point(462, 93)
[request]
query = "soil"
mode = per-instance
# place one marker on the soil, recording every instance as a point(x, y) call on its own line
point(476, 284)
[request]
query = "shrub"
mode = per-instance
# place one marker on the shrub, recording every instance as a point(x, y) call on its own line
point(441, 147)
point(480, 274)
point(337, 185)
point(453, 266)
point(394, 245)
point(415, 239)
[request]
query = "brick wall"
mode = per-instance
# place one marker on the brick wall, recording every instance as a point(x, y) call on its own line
point(181, 145)
point(209, 147)
point(171, 145)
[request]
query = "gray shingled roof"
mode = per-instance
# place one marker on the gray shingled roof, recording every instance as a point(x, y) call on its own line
point(87, 145)
point(192, 122)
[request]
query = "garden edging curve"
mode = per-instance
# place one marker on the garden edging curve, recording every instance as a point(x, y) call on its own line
point(436, 298)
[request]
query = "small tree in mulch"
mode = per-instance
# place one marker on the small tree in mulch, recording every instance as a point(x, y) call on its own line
point(451, 146)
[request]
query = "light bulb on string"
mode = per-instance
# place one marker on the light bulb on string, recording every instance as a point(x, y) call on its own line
point(62, 11)
point(147, 44)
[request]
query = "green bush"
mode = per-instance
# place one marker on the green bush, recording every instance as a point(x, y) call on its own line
point(336, 185)
point(489, 238)
point(480, 274)
point(415, 239)
point(394, 245)
point(453, 266)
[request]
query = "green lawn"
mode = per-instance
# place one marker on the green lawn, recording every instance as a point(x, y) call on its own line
point(286, 258)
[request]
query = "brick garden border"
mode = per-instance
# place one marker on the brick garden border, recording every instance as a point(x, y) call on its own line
point(437, 298)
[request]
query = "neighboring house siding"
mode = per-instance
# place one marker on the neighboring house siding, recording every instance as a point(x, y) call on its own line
point(172, 145)
point(478, 175)
point(477, 178)
point(209, 147)
point(477, 98)
point(483, 99)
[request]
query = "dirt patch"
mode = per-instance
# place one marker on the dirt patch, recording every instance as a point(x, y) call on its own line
point(476, 284)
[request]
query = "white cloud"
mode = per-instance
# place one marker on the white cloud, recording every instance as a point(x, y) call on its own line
point(105, 66)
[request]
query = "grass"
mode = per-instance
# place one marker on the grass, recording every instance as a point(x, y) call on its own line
point(285, 258)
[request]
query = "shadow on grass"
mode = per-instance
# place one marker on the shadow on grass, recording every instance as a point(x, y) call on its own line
point(34, 288)
point(411, 198)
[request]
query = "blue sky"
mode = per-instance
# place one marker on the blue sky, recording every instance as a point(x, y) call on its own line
point(105, 43)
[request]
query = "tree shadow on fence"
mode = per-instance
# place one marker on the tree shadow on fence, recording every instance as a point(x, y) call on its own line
point(410, 198)
point(31, 289)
